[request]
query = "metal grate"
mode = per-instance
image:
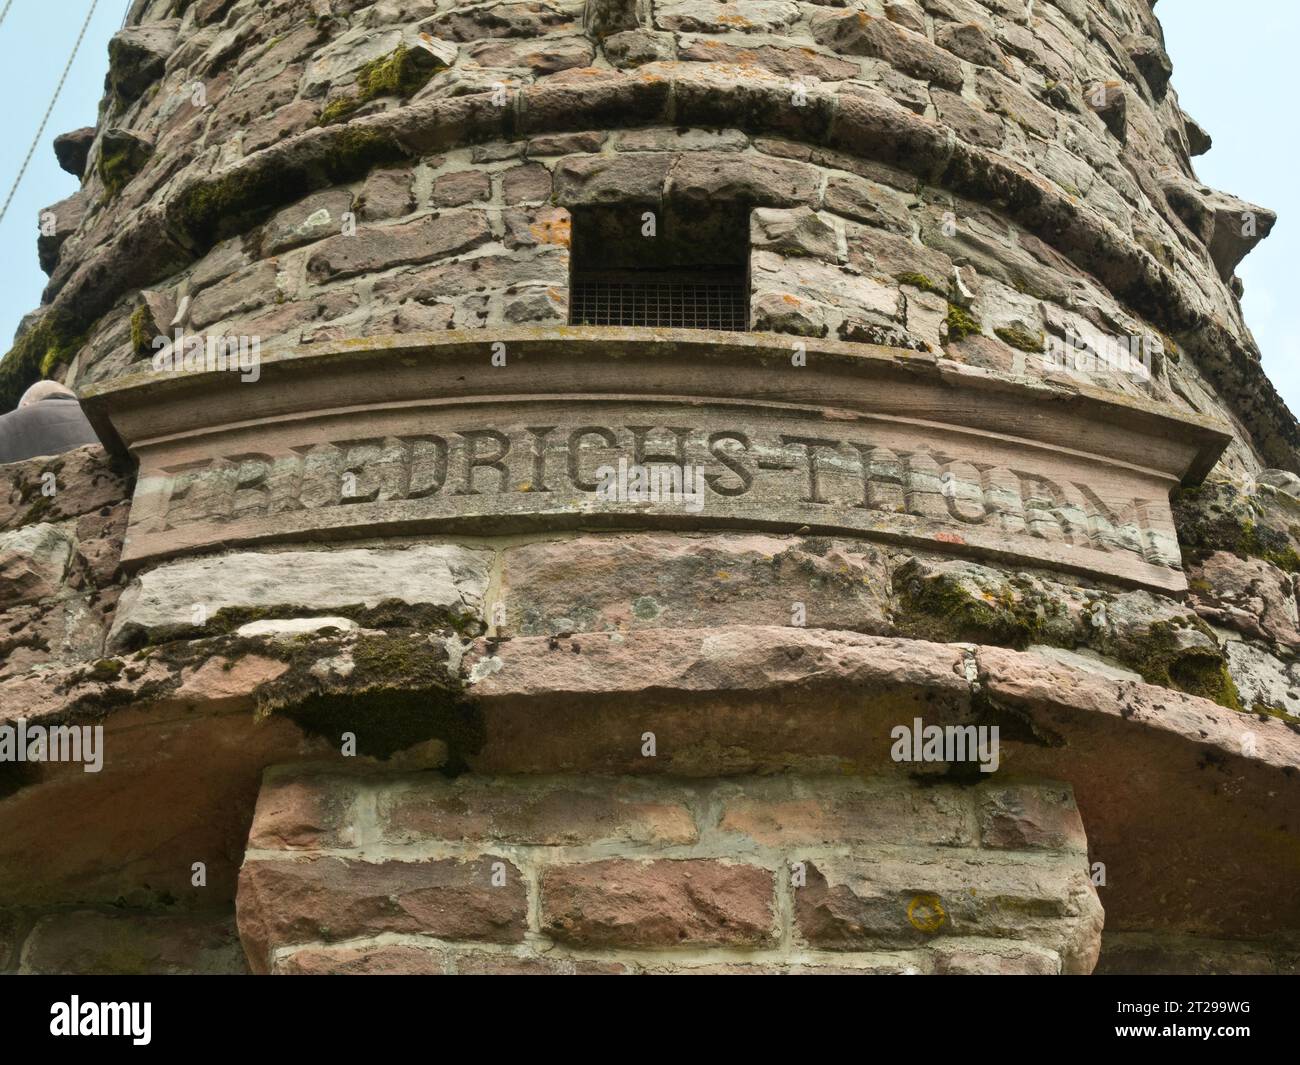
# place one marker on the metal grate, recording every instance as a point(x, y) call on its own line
point(659, 299)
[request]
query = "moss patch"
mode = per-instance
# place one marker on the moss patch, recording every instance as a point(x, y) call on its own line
point(143, 331)
point(921, 281)
point(401, 692)
point(1163, 658)
point(252, 193)
point(1020, 338)
point(403, 72)
point(45, 349)
point(1216, 516)
point(960, 324)
point(941, 607)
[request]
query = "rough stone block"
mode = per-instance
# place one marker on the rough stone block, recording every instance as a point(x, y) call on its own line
point(310, 900)
point(446, 580)
point(659, 904)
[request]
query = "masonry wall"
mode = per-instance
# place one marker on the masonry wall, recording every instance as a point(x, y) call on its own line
point(968, 182)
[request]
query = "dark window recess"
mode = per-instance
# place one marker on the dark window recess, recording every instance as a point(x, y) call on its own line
point(692, 274)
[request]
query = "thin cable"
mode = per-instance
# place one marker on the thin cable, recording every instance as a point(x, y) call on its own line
point(49, 110)
point(6, 10)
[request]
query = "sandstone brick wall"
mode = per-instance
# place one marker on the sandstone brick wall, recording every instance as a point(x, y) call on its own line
point(957, 180)
point(581, 874)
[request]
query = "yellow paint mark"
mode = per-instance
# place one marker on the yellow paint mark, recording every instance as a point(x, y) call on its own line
point(926, 914)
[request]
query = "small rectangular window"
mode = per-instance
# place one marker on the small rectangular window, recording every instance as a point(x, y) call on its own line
point(645, 266)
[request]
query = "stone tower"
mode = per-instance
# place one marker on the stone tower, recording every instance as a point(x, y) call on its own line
point(647, 486)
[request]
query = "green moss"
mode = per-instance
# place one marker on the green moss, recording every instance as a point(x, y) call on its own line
point(338, 109)
point(401, 693)
point(1163, 658)
point(143, 330)
point(403, 72)
point(960, 324)
point(106, 669)
point(250, 194)
point(943, 608)
point(921, 281)
point(1270, 545)
point(1264, 710)
point(47, 347)
point(115, 171)
point(1216, 516)
point(1020, 338)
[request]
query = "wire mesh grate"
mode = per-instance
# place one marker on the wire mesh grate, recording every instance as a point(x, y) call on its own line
point(670, 303)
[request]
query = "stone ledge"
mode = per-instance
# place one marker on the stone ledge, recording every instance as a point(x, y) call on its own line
point(862, 441)
point(1166, 783)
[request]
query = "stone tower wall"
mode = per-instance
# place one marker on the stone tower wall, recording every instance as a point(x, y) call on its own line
point(933, 515)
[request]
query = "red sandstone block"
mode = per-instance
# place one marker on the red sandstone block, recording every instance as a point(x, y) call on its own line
point(519, 810)
point(888, 902)
point(998, 959)
point(509, 965)
point(88, 942)
point(390, 959)
point(783, 812)
point(1030, 816)
point(297, 812)
point(661, 903)
point(326, 898)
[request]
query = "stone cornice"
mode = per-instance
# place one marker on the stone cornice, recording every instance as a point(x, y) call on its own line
point(862, 440)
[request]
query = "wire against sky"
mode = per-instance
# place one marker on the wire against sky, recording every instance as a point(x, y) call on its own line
point(49, 110)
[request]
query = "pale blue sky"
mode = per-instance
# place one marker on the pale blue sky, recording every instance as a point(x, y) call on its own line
point(1233, 66)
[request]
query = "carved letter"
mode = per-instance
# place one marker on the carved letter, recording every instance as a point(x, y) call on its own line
point(714, 480)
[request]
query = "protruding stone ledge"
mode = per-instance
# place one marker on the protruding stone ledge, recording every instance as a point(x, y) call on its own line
point(405, 435)
point(1165, 782)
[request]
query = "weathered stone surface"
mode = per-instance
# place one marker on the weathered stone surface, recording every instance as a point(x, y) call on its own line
point(73, 149)
point(375, 248)
point(891, 901)
point(593, 584)
point(1023, 817)
point(965, 182)
point(740, 16)
point(314, 218)
point(322, 899)
point(434, 469)
point(137, 56)
point(1248, 594)
point(857, 33)
point(66, 217)
point(33, 561)
point(389, 959)
point(386, 194)
point(787, 813)
point(997, 957)
point(441, 582)
point(89, 943)
point(687, 903)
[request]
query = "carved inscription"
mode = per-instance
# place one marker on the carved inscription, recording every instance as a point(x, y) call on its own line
point(798, 473)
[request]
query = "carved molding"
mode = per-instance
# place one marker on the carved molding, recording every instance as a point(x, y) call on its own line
point(422, 433)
